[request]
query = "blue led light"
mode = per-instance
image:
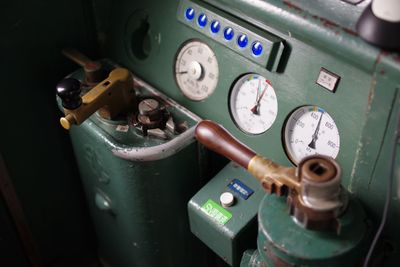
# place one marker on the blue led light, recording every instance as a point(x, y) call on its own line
point(242, 41)
point(215, 26)
point(257, 48)
point(202, 20)
point(189, 13)
point(228, 33)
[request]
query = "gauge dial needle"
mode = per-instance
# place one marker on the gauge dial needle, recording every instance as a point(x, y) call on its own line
point(315, 135)
point(182, 72)
point(256, 108)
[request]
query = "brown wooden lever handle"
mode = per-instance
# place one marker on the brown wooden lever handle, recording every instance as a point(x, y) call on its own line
point(318, 176)
point(271, 175)
point(216, 138)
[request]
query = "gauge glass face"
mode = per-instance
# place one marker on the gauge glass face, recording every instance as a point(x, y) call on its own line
point(196, 70)
point(253, 104)
point(310, 130)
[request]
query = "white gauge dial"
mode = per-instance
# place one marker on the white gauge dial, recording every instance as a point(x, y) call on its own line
point(311, 130)
point(253, 104)
point(196, 70)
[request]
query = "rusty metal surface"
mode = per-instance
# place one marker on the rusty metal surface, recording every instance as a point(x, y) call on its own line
point(339, 12)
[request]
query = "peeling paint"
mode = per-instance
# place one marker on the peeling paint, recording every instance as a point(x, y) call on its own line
point(378, 59)
point(350, 32)
point(371, 94)
point(353, 180)
point(360, 147)
point(324, 22)
point(292, 6)
point(328, 24)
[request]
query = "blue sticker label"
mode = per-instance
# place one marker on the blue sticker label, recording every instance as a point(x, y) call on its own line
point(240, 188)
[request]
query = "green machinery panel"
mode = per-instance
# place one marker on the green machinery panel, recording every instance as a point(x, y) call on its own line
point(146, 36)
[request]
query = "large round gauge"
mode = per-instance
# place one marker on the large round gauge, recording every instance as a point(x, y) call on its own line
point(311, 130)
point(253, 104)
point(196, 70)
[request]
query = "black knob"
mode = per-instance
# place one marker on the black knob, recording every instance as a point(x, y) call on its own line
point(377, 25)
point(69, 91)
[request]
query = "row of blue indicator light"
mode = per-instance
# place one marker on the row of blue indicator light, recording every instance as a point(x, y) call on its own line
point(229, 33)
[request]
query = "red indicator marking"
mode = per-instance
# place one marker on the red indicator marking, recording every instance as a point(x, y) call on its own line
point(256, 109)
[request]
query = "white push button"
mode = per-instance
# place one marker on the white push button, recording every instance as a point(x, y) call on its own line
point(227, 199)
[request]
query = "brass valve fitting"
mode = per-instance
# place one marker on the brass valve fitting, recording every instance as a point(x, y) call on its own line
point(315, 195)
point(109, 98)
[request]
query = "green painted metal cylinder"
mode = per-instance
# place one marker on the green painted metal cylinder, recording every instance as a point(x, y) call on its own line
point(138, 207)
point(283, 242)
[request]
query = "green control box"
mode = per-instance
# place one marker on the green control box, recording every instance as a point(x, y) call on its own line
point(230, 227)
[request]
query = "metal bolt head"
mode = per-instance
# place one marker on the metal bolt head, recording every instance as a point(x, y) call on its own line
point(318, 170)
point(148, 106)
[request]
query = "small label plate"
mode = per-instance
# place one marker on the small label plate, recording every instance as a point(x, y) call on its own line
point(240, 188)
point(216, 212)
point(328, 80)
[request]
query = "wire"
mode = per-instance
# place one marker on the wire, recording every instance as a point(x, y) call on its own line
point(388, 194)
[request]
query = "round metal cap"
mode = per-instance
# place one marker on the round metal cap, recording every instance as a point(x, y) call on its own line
point(227, 199)
point(148, 106)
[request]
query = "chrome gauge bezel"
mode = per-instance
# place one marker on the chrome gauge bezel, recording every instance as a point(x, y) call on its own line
point(204, 60)
point(304, 149)
point(241, 104)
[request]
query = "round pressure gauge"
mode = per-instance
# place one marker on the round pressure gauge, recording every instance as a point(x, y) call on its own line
point(253, 104)
point(196, 70)
point(311, 130)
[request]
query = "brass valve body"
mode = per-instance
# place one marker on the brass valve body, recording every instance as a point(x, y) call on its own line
point(110, 97)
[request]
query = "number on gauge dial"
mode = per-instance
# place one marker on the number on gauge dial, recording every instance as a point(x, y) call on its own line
point(311, 130)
